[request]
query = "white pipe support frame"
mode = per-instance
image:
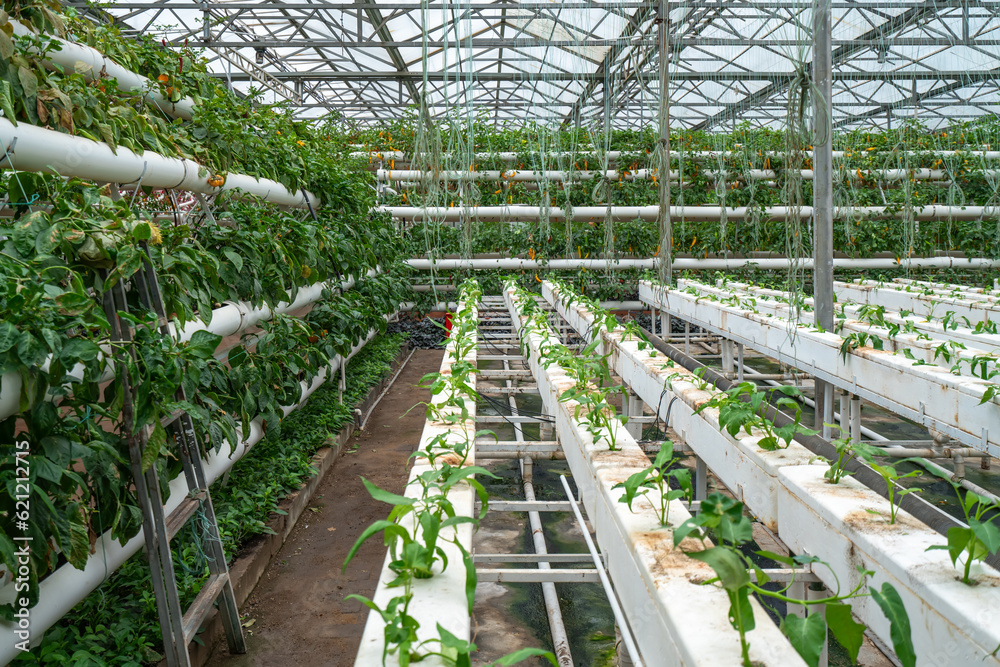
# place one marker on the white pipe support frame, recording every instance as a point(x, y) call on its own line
point(92, 64)
point(441, 598)
point(32, 148)
point(232, 318)
point(66, 586)
point(929, 395)
point(528, 175)
point(696, 264)
point(522, 213)
point(675, 619)
point(844, 524)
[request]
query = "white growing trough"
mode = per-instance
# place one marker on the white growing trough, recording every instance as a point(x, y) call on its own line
point(929, 395)
point(845, 524)
point(675, 618)
point(442, 598)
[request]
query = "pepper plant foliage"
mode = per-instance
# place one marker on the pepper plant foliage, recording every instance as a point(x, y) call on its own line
point(55, 341)
point(226, 133)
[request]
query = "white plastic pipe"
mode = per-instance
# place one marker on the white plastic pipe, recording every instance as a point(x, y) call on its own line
point(719, 264)
point(696, 155)
point(230, 319)
point(527, 175)
point(66, 586)
point(32, 148)
point(91, 63)
point(693, 213)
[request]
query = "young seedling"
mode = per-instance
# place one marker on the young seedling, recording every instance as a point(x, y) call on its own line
point(891, 476)
point(657, 477)
point(980, 539)
point(721, 520)
point(847, 451)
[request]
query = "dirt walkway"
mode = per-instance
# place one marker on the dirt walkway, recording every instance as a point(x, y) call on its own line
point(298, 610)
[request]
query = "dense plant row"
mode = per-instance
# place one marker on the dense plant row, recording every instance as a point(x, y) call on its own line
point(226, 134)
point(966, 178)
point(55, 338)
point(117, 624)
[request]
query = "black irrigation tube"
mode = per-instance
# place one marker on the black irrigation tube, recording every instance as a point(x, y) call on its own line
point(912, 503)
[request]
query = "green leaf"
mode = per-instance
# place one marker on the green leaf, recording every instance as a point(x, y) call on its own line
point(387, 526)
point(157, 439)
point(807, 636)
point(142, 231)
point(848, 632)
point(30, 350)
point(78, 350)
point(47, 469)
point(899, 623)
point(386, 496)
point(29, 82)
point(6, 44)
point(9, 336)
point(203, 344)
point(6, 97)
point(79, 541)
point(236, 260)
point(987, 533)
point(729, 567)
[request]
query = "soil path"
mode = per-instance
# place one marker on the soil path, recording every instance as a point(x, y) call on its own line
point(298, 609)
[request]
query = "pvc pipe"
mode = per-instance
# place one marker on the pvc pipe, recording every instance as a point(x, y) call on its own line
point(230, 319)
point(32, 148)
point(609, 590)
point(66, 586)
point(692, 263)
point(528, 175)
point(613, 156)
point(694, 213)
point(91, 63)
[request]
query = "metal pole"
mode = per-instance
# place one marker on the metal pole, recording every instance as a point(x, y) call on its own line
point(633, 650)
point(823, 192)
point(663, 216)
point(560, 639)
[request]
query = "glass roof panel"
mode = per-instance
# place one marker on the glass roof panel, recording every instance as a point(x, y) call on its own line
point(729, 60)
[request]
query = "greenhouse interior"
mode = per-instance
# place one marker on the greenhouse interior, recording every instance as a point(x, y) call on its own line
point(500, 332)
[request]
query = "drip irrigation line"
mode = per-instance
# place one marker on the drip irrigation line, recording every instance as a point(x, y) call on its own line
point(930, 515)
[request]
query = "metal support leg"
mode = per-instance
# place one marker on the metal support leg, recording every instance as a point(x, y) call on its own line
point(855, 418)
point(700, 480)
point(635, 405)
point(818, 592)
point(621, 652)
point(818, 393)
point(664, 325)
point(687, 338)
point(827, 412)
point(797, 591)
point(845, 414)
point(739, 362)
point(726, 349)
